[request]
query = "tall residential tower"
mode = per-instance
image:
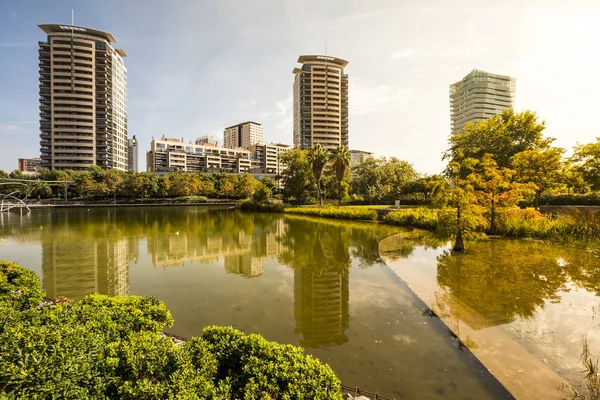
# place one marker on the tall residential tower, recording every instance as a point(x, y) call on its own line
point(83, 99)
point(320, 102)
point(133, 155)
point(479, 96)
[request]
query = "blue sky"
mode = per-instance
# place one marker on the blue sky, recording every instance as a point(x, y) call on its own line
point(195, 67)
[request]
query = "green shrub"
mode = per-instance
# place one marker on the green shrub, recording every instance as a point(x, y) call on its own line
point(249, 205)
point(588, 199)
point(153, 367)
point(355, 213)
point(19, 287)
point(112, 347)
point(44, 358)
point(258, 368)
point(192, 199)
point(421, 217)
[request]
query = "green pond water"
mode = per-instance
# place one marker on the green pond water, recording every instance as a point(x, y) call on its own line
point(319, 284)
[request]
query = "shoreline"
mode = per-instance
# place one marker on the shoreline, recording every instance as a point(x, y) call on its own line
point(109, 205)
point(521, 373)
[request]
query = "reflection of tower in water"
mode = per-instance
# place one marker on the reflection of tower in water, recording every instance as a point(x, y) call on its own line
point(321, 307)
point(73, 267)
point(244, 264)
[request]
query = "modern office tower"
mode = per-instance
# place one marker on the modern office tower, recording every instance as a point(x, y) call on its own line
point(479, 96)
point(29, 165)
point(132, 155)
point(83, 99)
point(358, 156)
point(169, 155)
point(266, 158)
point(210, 140)
point(242, 135)
point(320, 102)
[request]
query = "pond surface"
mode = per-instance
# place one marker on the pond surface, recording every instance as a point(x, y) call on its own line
point(521, 306)
point(315, 283)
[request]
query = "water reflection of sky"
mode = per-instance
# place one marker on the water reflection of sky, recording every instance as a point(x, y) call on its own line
point(541, 296)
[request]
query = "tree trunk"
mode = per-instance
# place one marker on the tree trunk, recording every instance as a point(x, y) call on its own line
point(493, 219)
point(537, 200)
point(459, 244)
point(319, 192)
point(339, 193)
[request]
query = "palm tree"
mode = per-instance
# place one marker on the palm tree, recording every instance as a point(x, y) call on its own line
point(341, 164)
point(318, 156)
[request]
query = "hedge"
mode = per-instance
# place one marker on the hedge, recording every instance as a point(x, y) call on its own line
point(589, 199)
point(355, 213)
point(113, 347)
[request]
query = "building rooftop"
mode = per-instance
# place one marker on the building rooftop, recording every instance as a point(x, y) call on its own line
point(55, 28)
point(326, 59)
point(243, 123)
point(478, 72)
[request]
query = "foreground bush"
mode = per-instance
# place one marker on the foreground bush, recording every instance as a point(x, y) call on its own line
point(357, 213)
point(255, 365)
point(112, 347)
point(19, 287)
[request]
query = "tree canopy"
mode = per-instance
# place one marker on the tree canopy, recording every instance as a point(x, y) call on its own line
point(502, 136)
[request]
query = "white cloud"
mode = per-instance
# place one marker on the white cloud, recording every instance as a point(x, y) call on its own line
point(403, 54)
point(366, 97)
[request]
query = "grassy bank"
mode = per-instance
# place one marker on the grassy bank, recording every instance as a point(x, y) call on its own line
point(575, 226)
point(348, 212)
point(113, 347)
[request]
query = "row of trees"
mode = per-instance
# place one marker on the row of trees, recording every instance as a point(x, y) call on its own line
point(507, 149)
point(96, 183)
point(318, 174)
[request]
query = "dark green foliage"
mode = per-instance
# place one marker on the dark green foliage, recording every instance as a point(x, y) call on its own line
point(112, 347)
point(257, 368)
point(265, 206)
point(589, 199)
point(153, 367)
point(261, 194)
point(19, 287)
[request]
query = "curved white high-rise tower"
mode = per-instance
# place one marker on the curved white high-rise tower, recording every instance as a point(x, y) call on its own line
point(83, 99)
point(320, 102)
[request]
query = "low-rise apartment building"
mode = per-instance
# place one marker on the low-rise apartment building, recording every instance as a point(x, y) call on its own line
point(175, 155)
point(29, 165)
point(266, 158)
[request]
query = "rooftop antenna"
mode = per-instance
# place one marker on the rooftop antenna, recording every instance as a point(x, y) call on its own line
point(326, 48)
point(72, 17)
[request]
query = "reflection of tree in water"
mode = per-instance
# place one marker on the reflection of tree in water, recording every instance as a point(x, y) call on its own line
point(502, 279)
point(402, 246)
